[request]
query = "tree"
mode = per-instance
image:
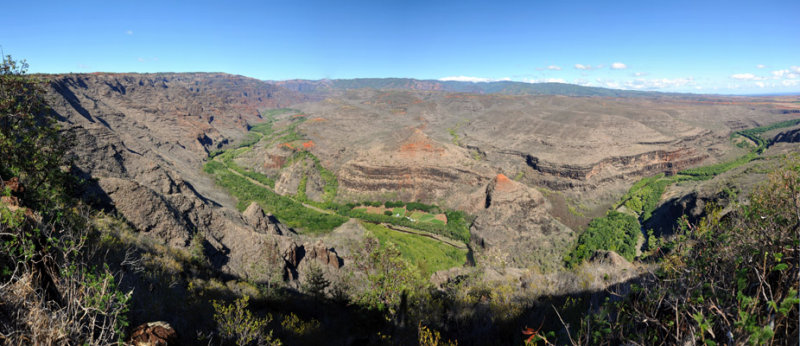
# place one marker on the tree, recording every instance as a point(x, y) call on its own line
point(31, 146)
point(316, 283)
point(52, 291)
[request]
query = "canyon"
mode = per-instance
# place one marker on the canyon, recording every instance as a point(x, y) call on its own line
point(514, 162)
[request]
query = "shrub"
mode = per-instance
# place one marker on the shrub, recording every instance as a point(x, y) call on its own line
point(727, 280)
point(237, 324)
point(614, 232)
point(315, 282)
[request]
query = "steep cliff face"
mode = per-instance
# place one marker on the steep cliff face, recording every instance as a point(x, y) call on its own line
point(414, 167)
point(791, 136)
point(192, 112)
point(514, 228)
point(142, 138)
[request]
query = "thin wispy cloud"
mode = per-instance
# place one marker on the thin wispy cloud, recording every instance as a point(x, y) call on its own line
point(744, 76)
point(545, 80)
point(618, 66)
point(760, 66)
point(583, 67)
point(471, 79)
point(788, 74)
point(554, 68)
point(658, 83)
point(128, 32)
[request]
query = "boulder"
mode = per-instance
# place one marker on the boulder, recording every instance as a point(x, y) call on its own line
point(610, 258)
point(324, 255)
point(263, 223)
point(154, 334)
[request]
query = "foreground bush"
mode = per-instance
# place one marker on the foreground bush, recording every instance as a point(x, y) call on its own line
point(52, 288)
point(728, 280)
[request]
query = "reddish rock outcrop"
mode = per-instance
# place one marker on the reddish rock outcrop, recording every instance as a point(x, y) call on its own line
point(324, 255)
point(154, 334)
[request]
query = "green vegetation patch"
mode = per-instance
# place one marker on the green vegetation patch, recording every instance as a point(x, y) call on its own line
point(457, 226)
point(287, 210)
point(251, 139)
point(264, 128)
point(427, 253)
point(642, 198)
point(708, 172)
point(616, 232)
point(271, 113)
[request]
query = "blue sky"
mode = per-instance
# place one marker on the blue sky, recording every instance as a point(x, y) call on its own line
point(724, 47)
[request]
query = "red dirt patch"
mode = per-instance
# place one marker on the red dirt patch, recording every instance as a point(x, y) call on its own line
point(503, 183)
point(308, 145)
point(318, 119)
point(274, 161)
point(441, 217)
point(418, 142)
point(417, 146)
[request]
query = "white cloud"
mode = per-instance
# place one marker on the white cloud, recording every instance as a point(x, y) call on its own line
point(129, 32)
point(743, 76)
point(760, 66)
point(789, 82)
point(778, 74)
point(581, 81)
point(583, 67)
point(658, 83)
point(639, 74)
point(795, 69)
point(618, 66)
point(471, 79)
point(544, 80)
point(748, 76)
point(760, 84)
point(554, 67)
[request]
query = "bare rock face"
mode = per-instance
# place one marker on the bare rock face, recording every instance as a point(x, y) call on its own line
point(142, 139)
point(415, 166)
point(609, 258)
point(263, 223)
point(791, 136)
point(298, 258)
point(514, 227)
point(324, 255)
point(154, 334)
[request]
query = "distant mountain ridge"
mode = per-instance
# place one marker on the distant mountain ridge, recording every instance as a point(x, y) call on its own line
point(499, 87)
